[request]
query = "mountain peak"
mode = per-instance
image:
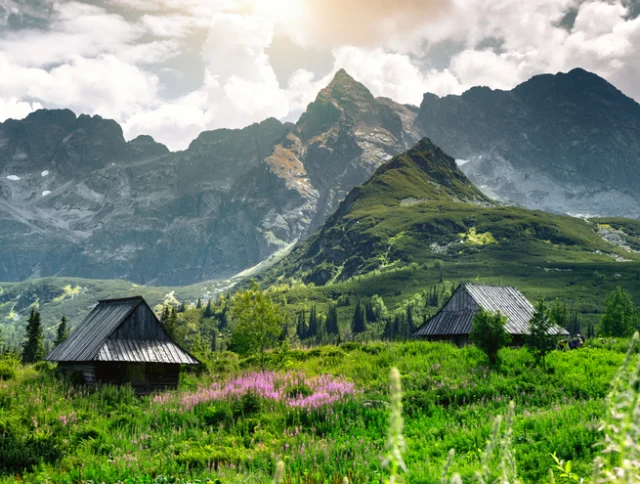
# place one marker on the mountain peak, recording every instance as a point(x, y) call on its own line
point(343, 87)
point(425, 166)
point(342, 76)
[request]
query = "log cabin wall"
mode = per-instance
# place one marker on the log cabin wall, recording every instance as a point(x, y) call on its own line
point(145, 378)
point(141, 324)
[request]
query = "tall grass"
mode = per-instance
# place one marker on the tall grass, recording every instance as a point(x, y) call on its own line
point(440, 398)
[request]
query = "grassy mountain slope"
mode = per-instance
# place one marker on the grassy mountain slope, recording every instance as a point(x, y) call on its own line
point(419, 207)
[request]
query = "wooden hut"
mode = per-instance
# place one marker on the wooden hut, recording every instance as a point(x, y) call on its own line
point(121, 341)
point(453, 321)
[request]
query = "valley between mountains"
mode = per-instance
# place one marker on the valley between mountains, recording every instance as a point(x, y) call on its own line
point(362, 195)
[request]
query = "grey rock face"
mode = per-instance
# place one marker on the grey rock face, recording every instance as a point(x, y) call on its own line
point(77, 200)
point(565, 143)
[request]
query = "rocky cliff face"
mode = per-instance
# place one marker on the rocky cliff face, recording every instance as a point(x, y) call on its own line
point(565, 143)
point(77, 200)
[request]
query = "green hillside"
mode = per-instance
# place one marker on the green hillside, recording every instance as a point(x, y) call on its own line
point(74, 297)
point(419, 221)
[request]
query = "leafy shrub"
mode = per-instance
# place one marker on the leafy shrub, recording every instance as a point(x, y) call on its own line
point(299, 390)
point(45, 367)
point(7, 371)
point(22, 450)
point(221, 413)
point(248, 404)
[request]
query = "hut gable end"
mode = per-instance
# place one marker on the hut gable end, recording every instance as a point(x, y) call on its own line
point(121, 330)
point(456, 317)
point(140, 324)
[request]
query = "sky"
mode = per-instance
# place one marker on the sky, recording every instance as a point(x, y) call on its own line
point(175, 68)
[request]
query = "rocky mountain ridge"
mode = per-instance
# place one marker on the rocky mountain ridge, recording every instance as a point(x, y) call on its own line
point(419, 209)
point(564, 143)
point(76, 199)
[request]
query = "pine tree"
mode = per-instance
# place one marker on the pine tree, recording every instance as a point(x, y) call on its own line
point(371, 317)
point(559, 314)
point(214, 340)
point(388, 329)
point(301, 325)
point(574, 324)
point(165, 315)
point(620, 317)
point(540, 340)
point(171, 322)
point(33, 348)
point(313, 323)
point(182, 308)
point(488, 333)
point(199, 304)
point(222, 314)
point(359, 319)
point(321, 338)
point(332, 320)
point(62, 333)
point(208, 311)
point(410, 328)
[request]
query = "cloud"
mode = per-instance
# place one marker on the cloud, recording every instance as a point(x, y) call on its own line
point(12, 108)
point(364, 23)
point(104, 85)
point(99, 60)
point(393, 75)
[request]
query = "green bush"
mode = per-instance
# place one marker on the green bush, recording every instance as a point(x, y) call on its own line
point(22, 449)
point(220, 413)
point(7, 371)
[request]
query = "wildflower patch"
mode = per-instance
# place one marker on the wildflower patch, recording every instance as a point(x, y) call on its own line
point(292, 389)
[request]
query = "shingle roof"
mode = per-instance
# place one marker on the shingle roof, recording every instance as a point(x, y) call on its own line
point(456, 317)
point(144, 351)
point(89, 342)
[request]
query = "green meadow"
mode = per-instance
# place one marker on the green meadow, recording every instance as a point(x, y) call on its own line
point(324, 412)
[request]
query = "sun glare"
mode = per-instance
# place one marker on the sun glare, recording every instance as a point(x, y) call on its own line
point(278, 10)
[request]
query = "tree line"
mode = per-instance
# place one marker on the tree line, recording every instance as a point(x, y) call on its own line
point(251, 321)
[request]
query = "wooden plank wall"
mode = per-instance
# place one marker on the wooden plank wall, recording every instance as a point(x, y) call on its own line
point(87, 370)
point(140, 325)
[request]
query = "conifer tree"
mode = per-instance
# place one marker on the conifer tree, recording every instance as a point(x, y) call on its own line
point(371, 317)
point(33, 348)
point(62, 332)
point(359, 319)
point(331, 325)
point(301, 325)
point(199, 304)
point(540, 340)
point(559, 314)
point(321, 338)
point(208, 310)
point(620, 317)
point(313, 323)
point(389, 329)
point(171, 322)
point(410, 327)
point(214, 340)
point(488, 333)
point(574, 324)
point(165, 315)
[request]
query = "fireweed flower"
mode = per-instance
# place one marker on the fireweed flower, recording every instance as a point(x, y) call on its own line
point(283, 388)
